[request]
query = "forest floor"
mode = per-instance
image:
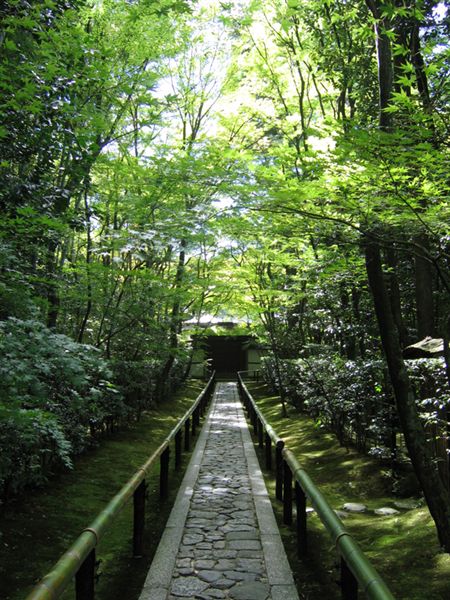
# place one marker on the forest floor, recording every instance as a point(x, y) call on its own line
point(38, 528)
point(403, 548)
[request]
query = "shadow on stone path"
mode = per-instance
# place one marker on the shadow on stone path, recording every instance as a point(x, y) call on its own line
point(221, 540)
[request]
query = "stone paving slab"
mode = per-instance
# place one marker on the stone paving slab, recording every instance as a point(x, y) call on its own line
point(221, 540)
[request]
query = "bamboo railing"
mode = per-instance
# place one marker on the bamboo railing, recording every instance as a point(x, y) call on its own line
point(79, 560)
point(356, 570)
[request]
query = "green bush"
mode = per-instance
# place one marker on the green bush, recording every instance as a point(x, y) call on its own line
point(431, 385)
point(348, 397)
point(140, 381)
point(55, 394)
point(31, 443)
point(137, 380)
point(353, 398)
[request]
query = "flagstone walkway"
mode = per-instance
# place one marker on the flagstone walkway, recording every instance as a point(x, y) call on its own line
point(221, 540)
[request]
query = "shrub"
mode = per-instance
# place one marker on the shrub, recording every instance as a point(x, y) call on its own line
point(349, 397)
point(353, 398)
point(54, 394)
point(31, 444)
point(137, 380)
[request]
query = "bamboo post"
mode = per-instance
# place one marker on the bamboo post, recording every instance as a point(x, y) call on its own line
point(187, 430)
point(349, 583)
point(164, 474)
point(85, 578)
point(260, 435)
point(254, 421)
point(287, 499)
point(302, 532)
point(139, 520)
point(279, 470)
point(268, 441)
point(178, 441)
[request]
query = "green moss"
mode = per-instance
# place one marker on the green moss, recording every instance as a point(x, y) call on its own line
point(38, 528)
point(403, 548)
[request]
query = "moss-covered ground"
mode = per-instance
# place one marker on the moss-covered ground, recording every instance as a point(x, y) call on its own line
point(38, 528)
point(403, 548)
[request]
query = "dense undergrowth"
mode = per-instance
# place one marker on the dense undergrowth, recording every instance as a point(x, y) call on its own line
point(354, 399)
point(37, 528)
point(403, 547)
point(58, 398)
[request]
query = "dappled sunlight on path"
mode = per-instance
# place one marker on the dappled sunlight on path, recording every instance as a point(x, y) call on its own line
point(222, 529)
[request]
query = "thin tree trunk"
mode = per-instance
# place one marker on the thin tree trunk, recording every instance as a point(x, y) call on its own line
point(356, 296)
point(436, 495)
point(395, 296)
point(175, 326)
point(88, 309)
point(385, 63)
point(424, 292)
point(270, 325)
point(52, 286)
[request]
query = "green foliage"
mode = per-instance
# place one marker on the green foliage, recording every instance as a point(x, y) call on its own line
point(347, 397)
point(402, 547)
point(53, 517)
point(138, 381)
point(354, 400)
point(55, 394)
point(160, 161)
point(32, 443)
point(16, 292)
point(432, 387)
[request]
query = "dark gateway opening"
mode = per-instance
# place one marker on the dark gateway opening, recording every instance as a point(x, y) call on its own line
point(227, 354)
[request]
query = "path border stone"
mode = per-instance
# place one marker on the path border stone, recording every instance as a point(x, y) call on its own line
point(278, 570)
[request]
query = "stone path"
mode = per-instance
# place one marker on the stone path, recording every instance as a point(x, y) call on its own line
point(221, 540)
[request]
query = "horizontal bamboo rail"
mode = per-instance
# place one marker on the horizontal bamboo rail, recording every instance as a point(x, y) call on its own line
point(79, 560)
point(355, 567)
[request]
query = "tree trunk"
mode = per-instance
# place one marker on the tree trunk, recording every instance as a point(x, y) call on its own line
point(356, 297)
point(279, 374)
point(424, 292)
point(395, 296)
point(174, 329)
point(52, 286)
point(348, 337)
point(87, 312)
point(436, 495)
point(385, 62)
